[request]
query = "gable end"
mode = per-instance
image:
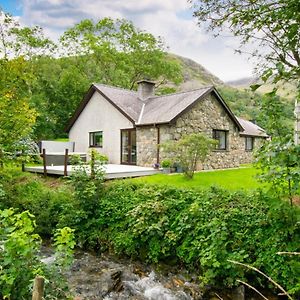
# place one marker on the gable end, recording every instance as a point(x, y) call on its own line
point(86, 100)
point(213, 91)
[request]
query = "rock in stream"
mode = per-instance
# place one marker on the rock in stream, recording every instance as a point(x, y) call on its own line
point(104, 277)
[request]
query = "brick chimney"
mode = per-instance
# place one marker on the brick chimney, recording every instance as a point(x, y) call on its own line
point(146, 89)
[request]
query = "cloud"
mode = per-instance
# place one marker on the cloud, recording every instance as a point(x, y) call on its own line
point(167, 18)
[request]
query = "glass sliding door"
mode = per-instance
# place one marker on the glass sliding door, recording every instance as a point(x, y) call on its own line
point(128, 146)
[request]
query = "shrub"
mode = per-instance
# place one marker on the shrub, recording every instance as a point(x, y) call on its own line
point(20, 261)
point(198, 229)
point(189, 150)
point(166, 163)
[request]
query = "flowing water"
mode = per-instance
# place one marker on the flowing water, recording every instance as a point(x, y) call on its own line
point(107, 278)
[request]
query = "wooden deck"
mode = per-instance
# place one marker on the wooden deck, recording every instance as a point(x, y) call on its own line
point(111, 171)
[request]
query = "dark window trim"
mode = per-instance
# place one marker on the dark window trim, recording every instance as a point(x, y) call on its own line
point(90, 141)
point(129, 141)
point(252, 144)
point(226, 139)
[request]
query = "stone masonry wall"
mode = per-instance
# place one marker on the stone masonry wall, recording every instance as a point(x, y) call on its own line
point(206, 115)
point(246, 157)
point(146, 141)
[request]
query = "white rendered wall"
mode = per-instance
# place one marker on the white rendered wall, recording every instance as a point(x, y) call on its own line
point(100, 115)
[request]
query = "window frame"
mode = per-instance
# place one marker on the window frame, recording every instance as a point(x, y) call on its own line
point(252, 143)
point(215, 132)
point(92, 143)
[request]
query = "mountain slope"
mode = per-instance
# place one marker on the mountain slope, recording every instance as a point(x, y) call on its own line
point(242, 101)
point(195, 75)
point(286, 90)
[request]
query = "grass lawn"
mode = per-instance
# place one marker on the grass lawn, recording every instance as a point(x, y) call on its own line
point(234, 179)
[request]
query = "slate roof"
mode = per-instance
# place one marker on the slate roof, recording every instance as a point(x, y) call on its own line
point(126, 100)
point(159, 109)
point(251, 129)
point(164, 109)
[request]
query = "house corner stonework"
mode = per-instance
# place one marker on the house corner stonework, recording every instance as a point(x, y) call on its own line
point(147, 145)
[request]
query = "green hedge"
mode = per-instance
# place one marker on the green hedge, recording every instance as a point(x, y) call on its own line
point(200, 230)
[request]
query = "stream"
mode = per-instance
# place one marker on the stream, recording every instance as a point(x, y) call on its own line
point(105, 277)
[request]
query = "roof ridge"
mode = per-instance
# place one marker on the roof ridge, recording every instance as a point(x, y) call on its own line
point(184, 92)
point(115, 87)
point(155, 96)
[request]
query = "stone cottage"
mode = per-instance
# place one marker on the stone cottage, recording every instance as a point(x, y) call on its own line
point(128, 126)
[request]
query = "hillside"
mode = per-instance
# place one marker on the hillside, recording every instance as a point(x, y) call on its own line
point(243, 102)
point(286, 90)
point(195, 75)
point(238, 95)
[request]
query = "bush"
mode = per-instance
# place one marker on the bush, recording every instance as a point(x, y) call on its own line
point(166, 163)
point(45, 198)
point(189, 150)
point(20, 261)
point(198, 229)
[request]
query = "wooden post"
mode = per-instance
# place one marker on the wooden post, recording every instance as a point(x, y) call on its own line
point(297, 123)
point(1, 159)
point(44, 162)
point(23, 162)
point(66, 162)
point(38, 288)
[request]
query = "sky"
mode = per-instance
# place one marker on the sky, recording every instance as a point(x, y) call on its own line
point(171, 19)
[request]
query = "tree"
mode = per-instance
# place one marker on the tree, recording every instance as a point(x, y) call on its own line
point(274, 117)
point(280, 166)
point(16, 40)
point(111, 52)
point(20, 48)
point(274, 25)
point(274, 28)
point(189, 150)
point(121, 53)
point(16, 116)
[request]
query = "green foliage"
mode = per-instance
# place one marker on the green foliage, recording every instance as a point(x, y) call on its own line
point(44, 198)
point(16, 115)
point(87, 181)
point(18, 255)
point(254, 106)
point(18, 41)
point(166, 163)
point(275, 117)
point(199, 229)
point(279, 164)
point(278, 159)
point(188, 151)
point(20, 260)
point(123, 53)
point(271, 25)
point(107, 51)
point(64, 242)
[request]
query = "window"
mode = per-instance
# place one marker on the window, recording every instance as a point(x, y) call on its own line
point(249, 143)
point(96, 139)
point(221, 137)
